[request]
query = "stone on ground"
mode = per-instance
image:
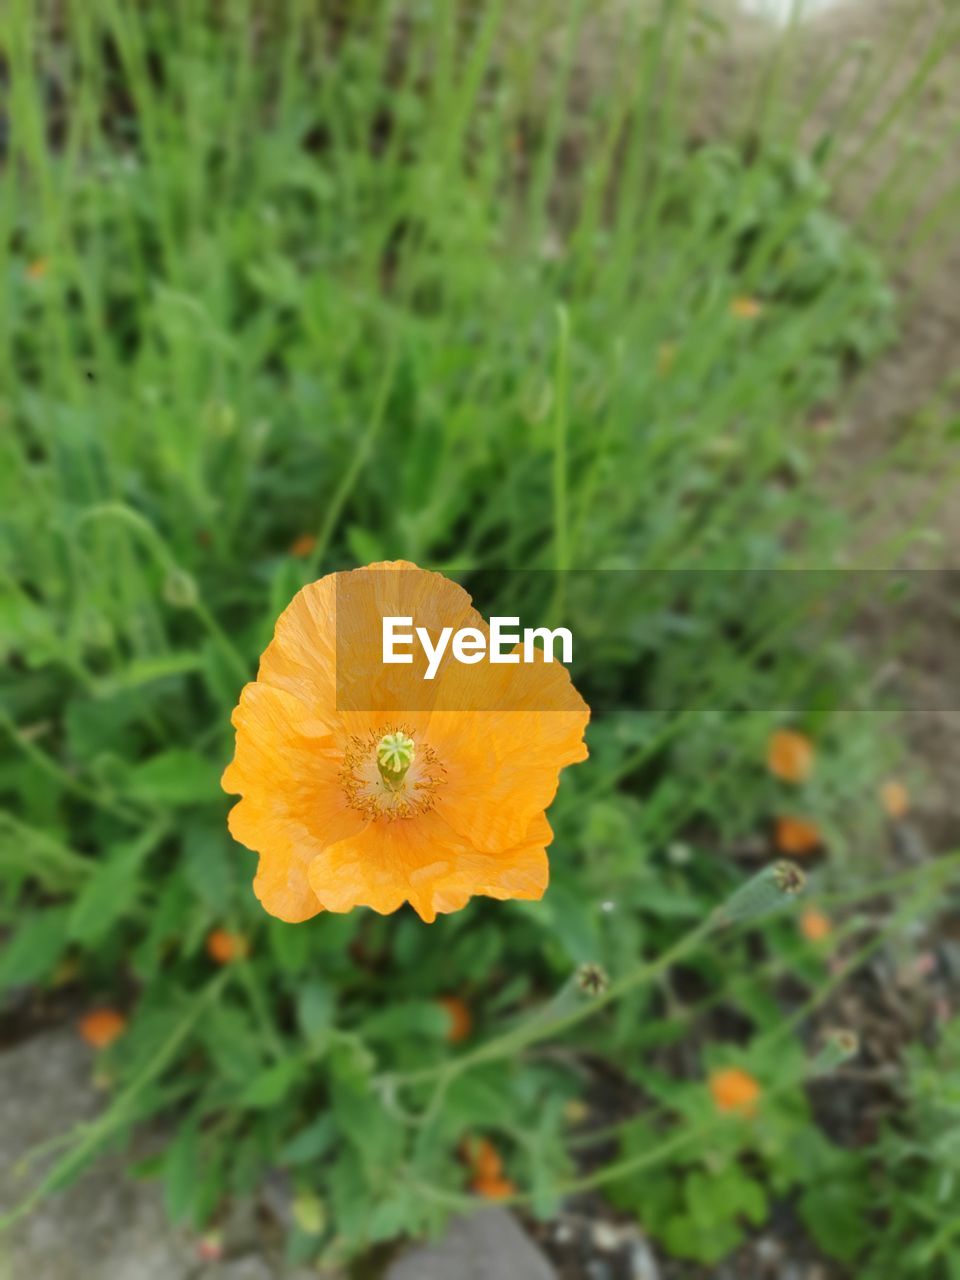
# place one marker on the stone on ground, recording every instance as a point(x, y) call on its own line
point(488, 1246)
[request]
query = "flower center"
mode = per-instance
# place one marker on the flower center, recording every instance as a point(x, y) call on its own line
point(395, 752)
point(390, 775)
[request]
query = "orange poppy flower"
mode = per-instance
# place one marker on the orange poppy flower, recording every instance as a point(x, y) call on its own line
point(37, 269)
point(745, 308)
point(895, 799)
point(797, 836)
point(734, 1090)
point(815, 926)
point(494, 1188)
point(461, 1020)
point(100, 1027)
point(483, 1158)
point(790, 755)
point(302, 546)
point(424, 798)
point(224, 946)
point(486, 1166)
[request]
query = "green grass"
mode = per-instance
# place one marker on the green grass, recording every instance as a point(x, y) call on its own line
point(399, 282)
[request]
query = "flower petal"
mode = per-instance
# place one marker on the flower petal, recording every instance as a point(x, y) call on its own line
point(502, 769)
point(425, 862)
point(287, 768)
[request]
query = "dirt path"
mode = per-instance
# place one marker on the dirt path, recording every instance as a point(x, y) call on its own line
point(910, 398)
point(895, 172)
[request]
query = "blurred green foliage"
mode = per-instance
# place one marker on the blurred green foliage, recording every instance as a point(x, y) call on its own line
point(918, 1160)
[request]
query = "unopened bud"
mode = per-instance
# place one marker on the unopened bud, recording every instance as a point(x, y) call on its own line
point(180, 589)
point(763, 893)
point(592, 979)
point(838, 1046)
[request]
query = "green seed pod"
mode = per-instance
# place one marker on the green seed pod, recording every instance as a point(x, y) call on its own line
point(180, 589)
point(764, 893)
point(592, 979)
point(838, 1046)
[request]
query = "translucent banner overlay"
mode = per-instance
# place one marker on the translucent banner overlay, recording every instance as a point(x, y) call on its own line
point(659, 640)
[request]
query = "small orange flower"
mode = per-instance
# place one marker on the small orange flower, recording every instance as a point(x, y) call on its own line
point(482, 1157)
point(100, 1027)
point(790, 755)
point(814, 925)
point(745, 308)
point(493, 1188)
point(461, 1020)
point(895, 799)
point(486, 1167)
point(224, 947)
point(37, 269)
point(349, 806)
point(209, 1247)
point(797, 836)
point(302, 545)
point(734, 1090)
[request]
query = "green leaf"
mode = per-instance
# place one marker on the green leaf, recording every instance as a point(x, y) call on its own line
point(363, 1120)
point(310, 1143)
point(365, 547)
point(104, 724)
point(418, 1018)
point(572, 918)
point(180, 1173)
point(836, 1214)
point(272, 1085)
point(397, 1215)
point(290, 944)
point(173, 906)
point(473, 1098)
point(687, 1238)
point(105, 898)
point(316, 1004)
point(35, 948)
point(145, 670)
point(350, 1195)
point(175, 777)
point(211, 863)
point(233, 1043)
point(110, 892)
point(218, 674)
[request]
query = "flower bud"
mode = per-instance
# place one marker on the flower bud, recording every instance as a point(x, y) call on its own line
point(838, 1047)
point(592, 979)
point(763, 893)
point(180, 589)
